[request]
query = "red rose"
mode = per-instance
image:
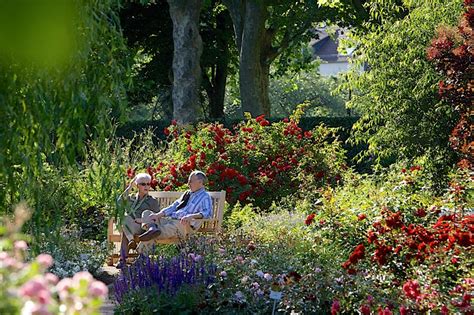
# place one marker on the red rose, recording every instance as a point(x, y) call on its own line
point(420, 212)
point(365, 309)
point(309, 219)
point(411, 289)
point(130, 172)
point(336, 306)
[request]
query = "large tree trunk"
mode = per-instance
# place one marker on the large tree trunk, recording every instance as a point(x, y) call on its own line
point(249, 18)
point(186, 60)
point(253, 80)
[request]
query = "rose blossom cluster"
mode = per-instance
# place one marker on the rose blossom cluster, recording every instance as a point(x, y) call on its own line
point(39, 292)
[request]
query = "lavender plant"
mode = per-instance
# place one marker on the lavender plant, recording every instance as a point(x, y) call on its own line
point(164, 275)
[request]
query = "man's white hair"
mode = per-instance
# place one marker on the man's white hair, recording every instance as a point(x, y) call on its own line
point(142, 178)
point(199, 175)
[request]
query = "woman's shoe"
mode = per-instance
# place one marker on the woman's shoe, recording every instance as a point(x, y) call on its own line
point(121, 264)
point(152, 232)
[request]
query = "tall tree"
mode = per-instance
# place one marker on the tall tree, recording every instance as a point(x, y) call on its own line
point(186, 60)
point(264, 30)
point(218, 55)
point(149, 30)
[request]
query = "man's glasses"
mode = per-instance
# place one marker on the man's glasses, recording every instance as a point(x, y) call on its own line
point(144, 184)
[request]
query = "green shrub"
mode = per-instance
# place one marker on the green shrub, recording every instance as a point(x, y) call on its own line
point(258, 162)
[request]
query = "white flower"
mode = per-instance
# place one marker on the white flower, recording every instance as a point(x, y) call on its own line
point(268, 276)
point(244, 279)
point(260, 273)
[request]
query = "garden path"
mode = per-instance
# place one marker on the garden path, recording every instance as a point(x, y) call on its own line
point(108, 275)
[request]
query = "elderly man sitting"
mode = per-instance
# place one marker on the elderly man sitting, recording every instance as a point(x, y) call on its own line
point(179, 218)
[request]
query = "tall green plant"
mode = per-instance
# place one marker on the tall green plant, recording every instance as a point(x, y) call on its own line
point(51, 107)
point(397, 95)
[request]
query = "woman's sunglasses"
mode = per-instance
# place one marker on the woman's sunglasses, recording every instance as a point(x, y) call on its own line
point(144, 184)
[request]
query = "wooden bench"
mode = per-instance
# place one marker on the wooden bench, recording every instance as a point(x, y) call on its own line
point(165, 198)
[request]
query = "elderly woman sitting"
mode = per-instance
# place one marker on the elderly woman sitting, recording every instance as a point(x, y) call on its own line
point(139, 205)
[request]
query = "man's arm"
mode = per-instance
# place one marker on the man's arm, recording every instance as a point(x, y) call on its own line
point(166, 211)
point(204, 213)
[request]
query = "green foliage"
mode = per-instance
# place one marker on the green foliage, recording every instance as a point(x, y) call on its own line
point(51, 112)
point(147, 301)
point(240, 215)
point(72, 253)
point(401, 113)
point(288, 91)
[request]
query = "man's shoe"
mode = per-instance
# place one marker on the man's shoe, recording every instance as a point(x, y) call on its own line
point(152, 232)
point(132, 245)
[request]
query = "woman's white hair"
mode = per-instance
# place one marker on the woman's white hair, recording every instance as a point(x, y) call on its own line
point(142, 178)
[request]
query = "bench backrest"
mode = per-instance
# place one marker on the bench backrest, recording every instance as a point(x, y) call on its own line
point(165, 198)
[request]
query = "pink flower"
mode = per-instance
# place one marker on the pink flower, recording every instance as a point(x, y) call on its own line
point(223, 274)
point(240, 259)
point(81, 277)
point(45, 260)
point(63, 287)
point(3, 255)
point(21, 245)
point(98, 289)
point(44, 296)
point(51, 278)
point(32, 288)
